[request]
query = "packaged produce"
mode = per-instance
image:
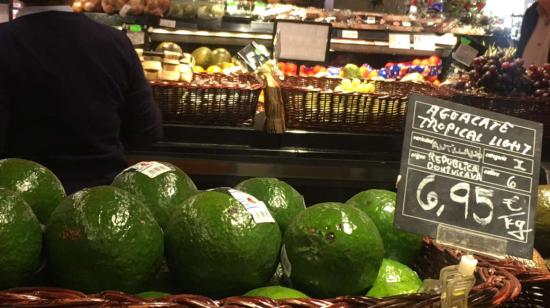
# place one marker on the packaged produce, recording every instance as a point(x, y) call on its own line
point(91, 5)
point(210, 9)
point(137, 7)
point(112, 6)
point(182, 9)
point(157, 7)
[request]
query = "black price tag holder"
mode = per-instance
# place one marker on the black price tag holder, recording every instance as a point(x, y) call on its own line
point(469, 178)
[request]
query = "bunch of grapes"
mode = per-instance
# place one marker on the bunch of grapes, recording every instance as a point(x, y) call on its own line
point(499, 75)
point(541, 80)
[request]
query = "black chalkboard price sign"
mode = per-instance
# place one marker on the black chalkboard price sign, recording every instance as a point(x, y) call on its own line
point(471, 171)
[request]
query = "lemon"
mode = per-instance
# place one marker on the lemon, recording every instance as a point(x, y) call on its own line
point(213, 69)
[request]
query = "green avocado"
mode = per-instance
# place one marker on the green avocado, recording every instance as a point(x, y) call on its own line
point(276, 292)
point(542, 222)
point(40, 188)
point(103, 238)
point(393, 279)
point(283, 201)
point(380, 206)
point(20, 240)
point(331, 249)
point(215, 248)
point(161, 193)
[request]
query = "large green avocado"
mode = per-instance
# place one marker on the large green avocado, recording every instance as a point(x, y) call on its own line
point(332, 249)
point(103, 238)
point(542, 224)
point(283, 201)
point(40, 188)
point(161, 193)
point(20, 240)
point(380, 206)
point(215, 248)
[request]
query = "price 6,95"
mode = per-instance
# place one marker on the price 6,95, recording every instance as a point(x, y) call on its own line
point(475, 201)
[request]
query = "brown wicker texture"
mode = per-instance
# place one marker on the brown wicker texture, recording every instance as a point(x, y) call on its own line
point(310, 103)
point(535, 282)
point(211, 99)
point(495, 287)
point(529, 108)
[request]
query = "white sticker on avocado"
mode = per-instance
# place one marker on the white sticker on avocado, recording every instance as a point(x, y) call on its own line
point(287, 267)
point(255, 207)
point(151, 169)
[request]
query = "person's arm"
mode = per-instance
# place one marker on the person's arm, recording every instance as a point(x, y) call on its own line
point(140, 116)
point(527, 27)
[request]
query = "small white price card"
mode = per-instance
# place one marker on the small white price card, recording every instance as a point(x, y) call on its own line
point(399, 40)
point(168, 23)
point(350, 34)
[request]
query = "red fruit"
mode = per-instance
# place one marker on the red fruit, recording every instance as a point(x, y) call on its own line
point(282, 66)
point(546, 67)
point(434, 60)
point(506, 65)
point(390, 64)
point(291, 69)
point(404, 71)
point(519, 62)
point(318, 69)
point(432, 78)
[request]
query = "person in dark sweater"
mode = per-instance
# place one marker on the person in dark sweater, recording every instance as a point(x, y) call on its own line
point(72, 94)
point(534, 42)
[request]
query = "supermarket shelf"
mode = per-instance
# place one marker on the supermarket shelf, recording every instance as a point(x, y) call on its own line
point(209, 37)
point(351, 46)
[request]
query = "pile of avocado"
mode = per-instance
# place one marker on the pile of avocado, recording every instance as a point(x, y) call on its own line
point(153, 231)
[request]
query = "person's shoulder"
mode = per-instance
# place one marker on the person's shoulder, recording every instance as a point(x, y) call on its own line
point(102, 28)
point(533, 9)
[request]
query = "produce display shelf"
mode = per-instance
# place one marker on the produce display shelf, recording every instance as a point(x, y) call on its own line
point(241, 34)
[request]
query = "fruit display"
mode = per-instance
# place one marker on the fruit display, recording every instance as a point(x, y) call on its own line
point(380, 206)
point(20, 240)
point(332, 249)
point(418, 70)
point(356, 85)
point(37, 185)
point(161, 191)
point(124, 7)
point(177, 65)
point(499, 73)
point(103, 238)
point(540, 76)
point(283, 201)
point(217, 243)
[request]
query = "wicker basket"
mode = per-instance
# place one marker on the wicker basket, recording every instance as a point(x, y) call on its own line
point(495, 287)
point(529, 108)
point(535, 282)
point(310, 103)
point(211, 99)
